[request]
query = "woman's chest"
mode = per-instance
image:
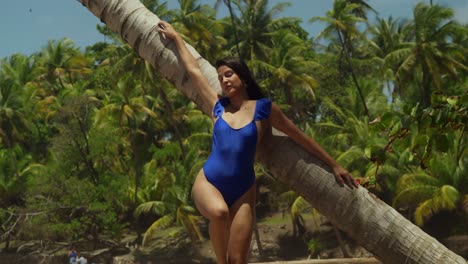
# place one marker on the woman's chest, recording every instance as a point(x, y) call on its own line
point(249, 133)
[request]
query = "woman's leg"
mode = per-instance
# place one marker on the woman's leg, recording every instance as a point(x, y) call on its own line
point(242, 216)
point(211, 205)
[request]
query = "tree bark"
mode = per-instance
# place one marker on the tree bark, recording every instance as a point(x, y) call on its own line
point(372, 223)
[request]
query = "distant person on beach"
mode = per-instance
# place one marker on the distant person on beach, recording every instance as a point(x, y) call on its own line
point(74, 257)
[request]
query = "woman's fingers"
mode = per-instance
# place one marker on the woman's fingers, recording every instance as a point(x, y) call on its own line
point(166, 30)
point(339, 179)
point(161, 31)
point(346, 178)
point(162, 24)
point(356, 184)
point(351, 182)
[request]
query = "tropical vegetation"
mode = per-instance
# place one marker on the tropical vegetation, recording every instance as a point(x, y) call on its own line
point(94, 142)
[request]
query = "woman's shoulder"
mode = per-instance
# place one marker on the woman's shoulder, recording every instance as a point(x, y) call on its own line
point(263, 108)
point(264, 101)
point(219, 106)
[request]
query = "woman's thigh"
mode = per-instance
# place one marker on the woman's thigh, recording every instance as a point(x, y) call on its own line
point(208, 200)
point(242, 214)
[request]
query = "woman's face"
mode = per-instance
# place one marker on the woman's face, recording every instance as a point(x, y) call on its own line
point(231, 83)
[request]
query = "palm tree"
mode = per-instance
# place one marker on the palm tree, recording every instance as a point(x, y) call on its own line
point(233, 23)
point(358, 144)
point(169, 198)
point(17, 98)
point(342, 24)
point(363, 7)
point(387, 35)
point(444, 189)
point(198, 25)
point(143, 113)
point(431, 53)
point(157, 8)
point(439, 183)
point(372, 223)
point(14, 183)
point(73, 121)
point(255, 20)
point(61, 61)
point(289, 70)
point(136, 118)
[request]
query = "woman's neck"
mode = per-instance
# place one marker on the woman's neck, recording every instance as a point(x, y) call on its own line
point(237, 102)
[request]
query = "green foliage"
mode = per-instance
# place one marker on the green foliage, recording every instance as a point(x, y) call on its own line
point(88, 138)
point(172, 172)
point(315, 245)
point(162, 222)
point(430, 53)
point(298, 206)
point(442, 153)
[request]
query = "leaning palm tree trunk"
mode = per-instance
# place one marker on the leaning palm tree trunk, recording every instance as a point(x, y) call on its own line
point(372, 223)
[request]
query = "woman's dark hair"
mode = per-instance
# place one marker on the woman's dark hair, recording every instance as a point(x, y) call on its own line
point(240, 68)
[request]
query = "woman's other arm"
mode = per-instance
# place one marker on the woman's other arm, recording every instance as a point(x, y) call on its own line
point(281, 122)
point(199, 80)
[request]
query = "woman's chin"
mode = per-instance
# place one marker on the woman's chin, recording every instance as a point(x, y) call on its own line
point(230, 92)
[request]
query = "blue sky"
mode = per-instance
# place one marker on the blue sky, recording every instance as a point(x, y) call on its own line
point(27, 25)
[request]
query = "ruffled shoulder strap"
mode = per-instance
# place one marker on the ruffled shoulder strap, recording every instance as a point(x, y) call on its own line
point(263, 109)
point(218, 108)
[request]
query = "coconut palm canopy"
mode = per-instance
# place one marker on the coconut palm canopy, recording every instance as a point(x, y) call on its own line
point(118, 135)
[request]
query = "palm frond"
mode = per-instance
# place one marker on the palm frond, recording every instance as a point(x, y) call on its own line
point(157, 207)
point(288, 197)
point(159, 224)
point(416, 178)
point(186, 218)
point(412, 196)
point(352, 154)
point(300, 205)
point(446, 198)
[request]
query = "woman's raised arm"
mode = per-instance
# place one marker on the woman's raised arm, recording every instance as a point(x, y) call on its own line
point(199, 80)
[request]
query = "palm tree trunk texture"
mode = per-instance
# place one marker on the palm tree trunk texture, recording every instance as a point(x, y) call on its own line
point(372, 223)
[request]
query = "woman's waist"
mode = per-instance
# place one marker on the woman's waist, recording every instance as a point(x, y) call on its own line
point(229, 168)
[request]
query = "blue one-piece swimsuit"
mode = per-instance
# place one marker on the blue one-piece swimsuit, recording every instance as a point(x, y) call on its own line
point(230, 166)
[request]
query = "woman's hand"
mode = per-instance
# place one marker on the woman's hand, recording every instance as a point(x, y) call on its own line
point(167, 30)
point(344, 177)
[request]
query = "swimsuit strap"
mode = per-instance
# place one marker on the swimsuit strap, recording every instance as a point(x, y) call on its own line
point(218, 108)
point(262, 109)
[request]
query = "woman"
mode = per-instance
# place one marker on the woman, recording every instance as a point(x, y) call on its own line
point(224, 190)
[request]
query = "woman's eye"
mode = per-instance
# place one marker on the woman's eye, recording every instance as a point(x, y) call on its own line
point(227, 74)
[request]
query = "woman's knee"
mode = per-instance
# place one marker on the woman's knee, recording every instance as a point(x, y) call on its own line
point(218, 212)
